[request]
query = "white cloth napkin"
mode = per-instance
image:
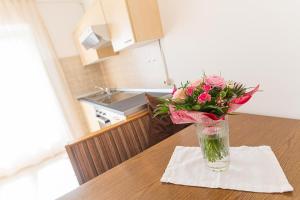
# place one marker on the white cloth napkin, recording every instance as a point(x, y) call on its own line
point(253, 169)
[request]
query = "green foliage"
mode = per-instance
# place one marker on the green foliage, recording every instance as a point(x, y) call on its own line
point(238, 89)
point(184, 85)
point(162, 109)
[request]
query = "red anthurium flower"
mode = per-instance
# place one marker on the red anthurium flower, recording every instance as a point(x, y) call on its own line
point(238, 102)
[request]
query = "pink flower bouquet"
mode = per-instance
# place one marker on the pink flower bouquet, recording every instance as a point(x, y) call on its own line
point(206, 102)
point(210, 98)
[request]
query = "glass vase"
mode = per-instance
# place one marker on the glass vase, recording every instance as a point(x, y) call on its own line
point(214, 142)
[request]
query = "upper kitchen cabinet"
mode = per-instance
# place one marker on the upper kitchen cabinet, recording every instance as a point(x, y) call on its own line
point(132, 22)
point(85, 36)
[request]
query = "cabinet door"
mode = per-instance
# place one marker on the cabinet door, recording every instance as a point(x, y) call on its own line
point(117, 16)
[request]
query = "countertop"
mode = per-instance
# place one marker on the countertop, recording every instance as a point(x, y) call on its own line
point(132, 104)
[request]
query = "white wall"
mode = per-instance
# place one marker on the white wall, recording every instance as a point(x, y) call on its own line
point(61, 17)
point(140, 67)
point(87, 3)
point(250, 41)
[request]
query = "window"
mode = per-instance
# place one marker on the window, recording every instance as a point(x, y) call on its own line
point(32, 125)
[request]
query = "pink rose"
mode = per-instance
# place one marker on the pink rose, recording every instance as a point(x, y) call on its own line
point(190, 90)
point(215, 81)
point(196, 83)
point(206, 88)
point(204, 97)
point(179, 94)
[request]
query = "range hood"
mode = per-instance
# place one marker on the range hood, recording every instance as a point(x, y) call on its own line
point(95, 37)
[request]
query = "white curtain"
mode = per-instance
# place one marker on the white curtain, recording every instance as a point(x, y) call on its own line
point(37, 113)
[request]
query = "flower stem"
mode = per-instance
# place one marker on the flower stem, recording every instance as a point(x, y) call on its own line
point(214, 148)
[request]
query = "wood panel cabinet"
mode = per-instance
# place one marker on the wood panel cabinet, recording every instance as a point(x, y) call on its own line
point(132, 22)
point(93, 16)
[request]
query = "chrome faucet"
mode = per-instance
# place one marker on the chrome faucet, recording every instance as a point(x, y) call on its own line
point(106, 90)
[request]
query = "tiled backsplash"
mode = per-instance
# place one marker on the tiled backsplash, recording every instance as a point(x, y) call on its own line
point(81, 79)
point(133, 68)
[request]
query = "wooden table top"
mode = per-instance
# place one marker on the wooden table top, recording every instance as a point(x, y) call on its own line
point(139, 177)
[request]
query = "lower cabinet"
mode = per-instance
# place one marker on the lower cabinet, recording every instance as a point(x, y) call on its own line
point(90, 116)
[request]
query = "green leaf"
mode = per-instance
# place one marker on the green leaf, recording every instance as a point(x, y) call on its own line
point(184, 85)
point(238, 89)
point(223, 94)
point(196, 107)
point(214, 109)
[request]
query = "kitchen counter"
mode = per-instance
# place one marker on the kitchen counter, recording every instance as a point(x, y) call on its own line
point(131, 102)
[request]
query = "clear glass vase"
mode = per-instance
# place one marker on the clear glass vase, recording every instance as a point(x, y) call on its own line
point(214, 142)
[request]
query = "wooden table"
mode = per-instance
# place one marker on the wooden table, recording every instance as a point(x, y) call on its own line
point(138, 178)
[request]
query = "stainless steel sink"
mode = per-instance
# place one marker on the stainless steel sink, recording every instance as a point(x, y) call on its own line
point(121, 102)
point(108, 99)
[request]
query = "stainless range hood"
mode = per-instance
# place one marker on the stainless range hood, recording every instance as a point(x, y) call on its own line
point(95, 37)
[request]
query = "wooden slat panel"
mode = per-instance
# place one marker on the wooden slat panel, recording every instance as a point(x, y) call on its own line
point(88, 156)
point(114, 149)
point(141, 134)
point(137, 136)
point(94, 155)
point(119, 145)
point(144, 124)
point(111, 149)
point(134, 144)
point(104, 154)
point(75, 165)
point(80, 164)
point(128, 141)
point(87, 163)
point(124, 143)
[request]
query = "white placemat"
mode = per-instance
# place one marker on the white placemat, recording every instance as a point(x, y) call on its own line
point(254, 169)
